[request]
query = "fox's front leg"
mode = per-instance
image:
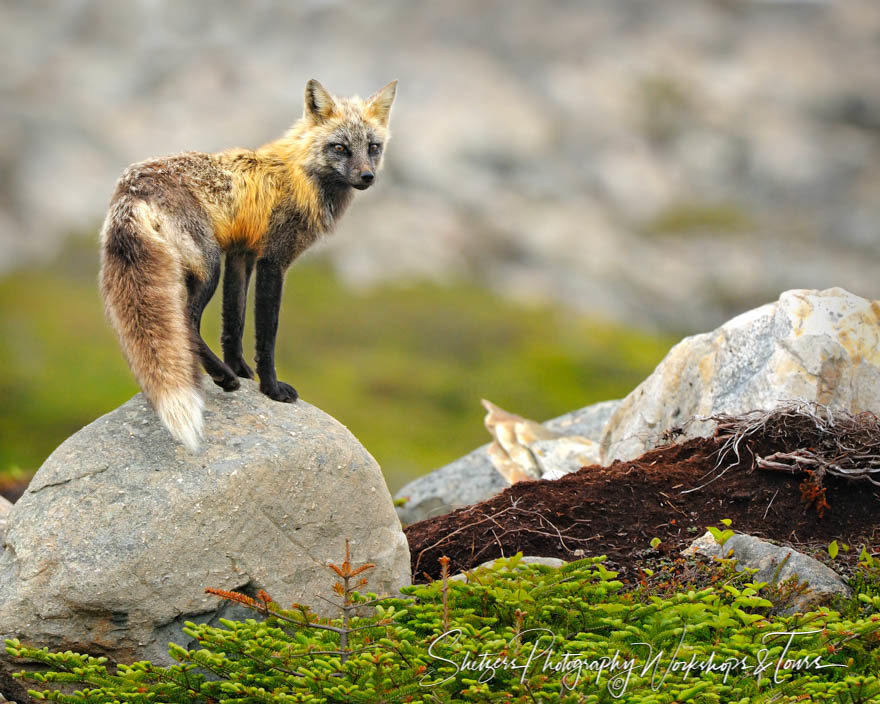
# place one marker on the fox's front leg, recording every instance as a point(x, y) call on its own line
point(270, 277)
point(236, 277)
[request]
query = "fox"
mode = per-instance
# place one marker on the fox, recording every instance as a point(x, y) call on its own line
point(172, 221)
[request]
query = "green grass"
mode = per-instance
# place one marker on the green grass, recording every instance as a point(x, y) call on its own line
point(404, 367)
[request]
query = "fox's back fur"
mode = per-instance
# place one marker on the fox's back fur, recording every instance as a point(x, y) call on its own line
point(170, 220)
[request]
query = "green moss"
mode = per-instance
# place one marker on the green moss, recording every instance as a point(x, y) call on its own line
point(404, 367)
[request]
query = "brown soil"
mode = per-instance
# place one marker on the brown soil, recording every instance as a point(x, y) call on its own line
point(617, 510)
point(12, 489)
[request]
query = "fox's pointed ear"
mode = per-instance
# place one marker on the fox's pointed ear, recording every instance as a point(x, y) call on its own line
point(319, 103)
point(379, 104)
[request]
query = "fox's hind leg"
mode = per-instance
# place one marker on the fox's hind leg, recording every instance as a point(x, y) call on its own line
point(237, 275)
point(199, 293)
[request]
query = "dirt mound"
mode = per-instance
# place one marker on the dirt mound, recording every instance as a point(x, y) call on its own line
point(617, 510)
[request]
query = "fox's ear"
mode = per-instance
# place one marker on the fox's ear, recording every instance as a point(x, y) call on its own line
point(379, 104)
point(319, 103)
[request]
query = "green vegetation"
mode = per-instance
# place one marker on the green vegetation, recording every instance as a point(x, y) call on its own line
point(404, 367)
point(688, 218)
point(513, 624)
point(722, 535)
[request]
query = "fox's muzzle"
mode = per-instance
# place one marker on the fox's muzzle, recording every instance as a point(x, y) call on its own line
point(366, 179)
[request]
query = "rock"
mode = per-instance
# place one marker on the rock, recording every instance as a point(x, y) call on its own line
point(12, 688)
point(821, 346)
point(468, 480)
point(472, 478)
point(527, 560)
point(533, 560)
point(512, 435)
point(112, 545)
point(588, 421)
point(776, 564)
point(564, 455)
point(5, 508)
point(525, 450)
point(704, 545)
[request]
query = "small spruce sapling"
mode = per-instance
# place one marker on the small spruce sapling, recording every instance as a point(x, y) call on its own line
point(347, 589)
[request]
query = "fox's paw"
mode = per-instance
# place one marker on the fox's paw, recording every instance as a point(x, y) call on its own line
point(226, 379)
point(240, 368)
point(279, 391)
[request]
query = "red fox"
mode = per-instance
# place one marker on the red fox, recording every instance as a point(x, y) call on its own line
point(171, 219)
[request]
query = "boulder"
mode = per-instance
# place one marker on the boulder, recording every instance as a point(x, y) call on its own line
point(523, 450)
point(776, 564)
point(113, 543)
point(821, 346)
point(5, 508)
point(468, 480)
point(588, 421)
point(472, 478)
point(557, 457)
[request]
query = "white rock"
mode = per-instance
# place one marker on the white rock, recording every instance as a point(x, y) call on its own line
point(564, 455)
point(821, 346)
point(523, 449)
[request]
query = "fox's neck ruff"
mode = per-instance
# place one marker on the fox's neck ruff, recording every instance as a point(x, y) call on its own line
point(321, 199)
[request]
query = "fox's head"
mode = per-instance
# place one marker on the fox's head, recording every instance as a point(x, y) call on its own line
point(346, 136)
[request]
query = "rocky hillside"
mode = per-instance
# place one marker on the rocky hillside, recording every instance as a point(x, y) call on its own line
point(669, 163)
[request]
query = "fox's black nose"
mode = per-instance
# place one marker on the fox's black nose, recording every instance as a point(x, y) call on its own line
point(367, 176)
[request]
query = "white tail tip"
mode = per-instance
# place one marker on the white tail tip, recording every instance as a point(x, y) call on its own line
point(181, 412)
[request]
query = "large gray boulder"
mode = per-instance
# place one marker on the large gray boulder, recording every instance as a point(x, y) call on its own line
point(821, 346)
point(112, 545)
point(472, 478)
point(5, 508)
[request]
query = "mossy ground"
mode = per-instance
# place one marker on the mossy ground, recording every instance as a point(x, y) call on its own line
point(403, 366)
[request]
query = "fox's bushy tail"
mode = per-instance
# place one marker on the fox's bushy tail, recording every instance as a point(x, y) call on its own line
point(143, 284)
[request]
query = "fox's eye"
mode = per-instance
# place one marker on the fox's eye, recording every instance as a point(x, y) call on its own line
point(339, 148)
point(375, 148)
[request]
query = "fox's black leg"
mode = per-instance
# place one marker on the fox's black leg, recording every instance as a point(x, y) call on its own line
point(270, 278)
point(200, 293)
point(236, 277)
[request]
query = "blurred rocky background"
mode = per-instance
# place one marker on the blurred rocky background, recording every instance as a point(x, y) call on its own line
point(658, 165)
